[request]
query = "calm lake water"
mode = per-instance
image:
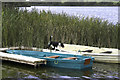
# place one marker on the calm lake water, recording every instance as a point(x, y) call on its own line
point(103, 12)
point(99, 70)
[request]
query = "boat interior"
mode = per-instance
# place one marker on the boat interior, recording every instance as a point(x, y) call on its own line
point(38, 54)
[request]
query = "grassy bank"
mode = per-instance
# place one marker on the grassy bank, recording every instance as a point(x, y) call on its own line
point(23, 28)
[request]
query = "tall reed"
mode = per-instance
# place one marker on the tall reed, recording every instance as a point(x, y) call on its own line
point(24, 28)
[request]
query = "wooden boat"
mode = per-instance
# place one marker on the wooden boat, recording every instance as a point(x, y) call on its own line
point(58, 59)
point(107, 55)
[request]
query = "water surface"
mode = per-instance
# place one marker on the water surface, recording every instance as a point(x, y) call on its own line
point(109, 13)
point(99, 70)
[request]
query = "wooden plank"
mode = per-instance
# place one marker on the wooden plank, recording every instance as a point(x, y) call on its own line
point(3, 49)
point(21, 59)
point(12, 48)
point(52, 57)
point(70, 58)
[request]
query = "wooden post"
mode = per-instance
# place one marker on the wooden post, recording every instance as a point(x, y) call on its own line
point(0, 38)
point(0, 24)
point(35, 65)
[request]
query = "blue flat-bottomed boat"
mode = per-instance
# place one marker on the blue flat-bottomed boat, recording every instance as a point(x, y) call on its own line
point(58, 59)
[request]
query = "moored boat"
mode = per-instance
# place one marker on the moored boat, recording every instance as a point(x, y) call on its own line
point(58, 59)
point(106, 55)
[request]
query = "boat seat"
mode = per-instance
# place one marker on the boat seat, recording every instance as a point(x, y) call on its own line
point(87, 51)
point(107, 52)
point(52, 57)
point(71, 58)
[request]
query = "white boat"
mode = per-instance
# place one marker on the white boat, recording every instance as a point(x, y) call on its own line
point(108, 55)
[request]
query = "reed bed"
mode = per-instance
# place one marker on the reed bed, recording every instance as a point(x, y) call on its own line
point(33, 29)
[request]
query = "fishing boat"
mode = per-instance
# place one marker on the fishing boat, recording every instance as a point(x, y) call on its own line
point(57, 59)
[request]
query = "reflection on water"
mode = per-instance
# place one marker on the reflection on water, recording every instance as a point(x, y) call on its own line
point(99, 70)
point(15, 70)
point(106, 70)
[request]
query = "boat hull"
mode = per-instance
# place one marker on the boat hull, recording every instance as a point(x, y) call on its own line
point(73, 64)
point(64, 61)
